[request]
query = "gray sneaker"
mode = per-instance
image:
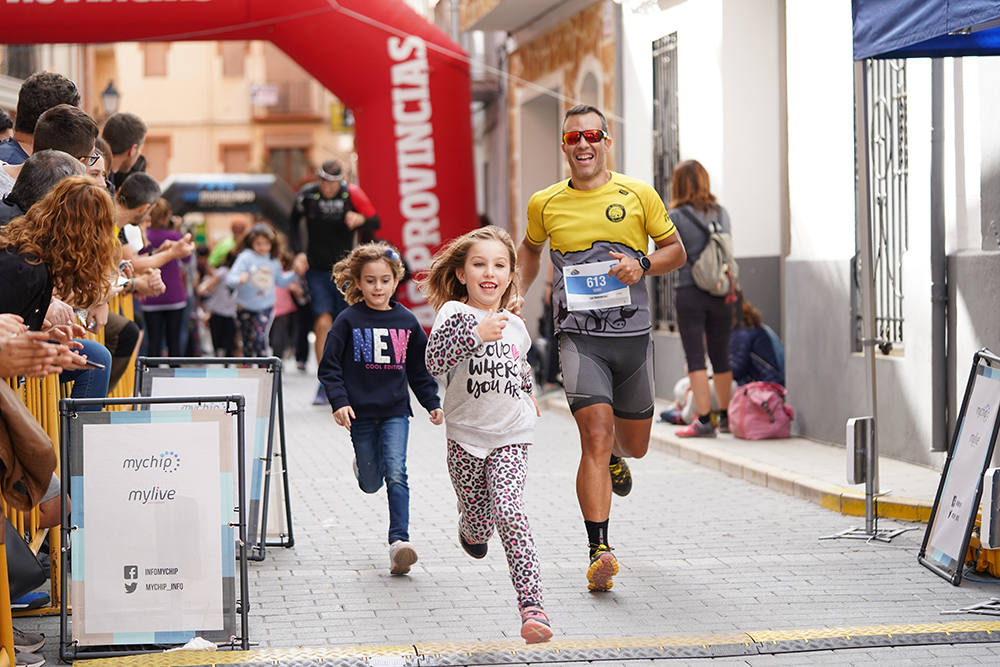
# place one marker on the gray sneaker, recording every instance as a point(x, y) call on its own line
point(28, 642)
point(696, 429)
point(25, 659)
point(724, 423)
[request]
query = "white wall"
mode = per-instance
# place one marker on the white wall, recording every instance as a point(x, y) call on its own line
point(730, 116)
point(820, 130)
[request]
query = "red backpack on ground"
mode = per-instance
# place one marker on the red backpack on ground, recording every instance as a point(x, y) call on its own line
point(757, 411)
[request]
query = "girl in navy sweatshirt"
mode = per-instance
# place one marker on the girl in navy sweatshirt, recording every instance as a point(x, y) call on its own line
point(374, 349)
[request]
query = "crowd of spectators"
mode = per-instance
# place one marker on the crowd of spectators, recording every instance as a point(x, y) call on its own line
point(81, 223)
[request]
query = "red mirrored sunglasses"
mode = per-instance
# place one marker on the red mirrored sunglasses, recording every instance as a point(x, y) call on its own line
point(592, 136)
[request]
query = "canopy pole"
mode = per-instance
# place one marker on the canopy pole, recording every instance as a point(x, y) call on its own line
point(940, 402)
point(863, 232)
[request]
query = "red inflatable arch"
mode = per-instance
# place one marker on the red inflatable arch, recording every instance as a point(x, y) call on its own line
point(406, 82)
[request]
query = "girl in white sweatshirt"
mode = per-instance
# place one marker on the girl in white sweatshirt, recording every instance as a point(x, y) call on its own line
point(481, 352)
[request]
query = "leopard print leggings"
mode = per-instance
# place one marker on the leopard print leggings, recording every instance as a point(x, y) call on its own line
point(491, 493)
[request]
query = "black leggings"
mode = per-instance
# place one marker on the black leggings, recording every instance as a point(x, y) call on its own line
point(164, 326)
point(703, 320)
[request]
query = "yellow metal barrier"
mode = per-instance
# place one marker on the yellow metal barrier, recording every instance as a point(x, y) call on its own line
point(41, 396)
point(6, 624)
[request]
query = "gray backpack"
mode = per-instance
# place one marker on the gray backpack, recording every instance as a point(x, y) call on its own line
point(715, 271)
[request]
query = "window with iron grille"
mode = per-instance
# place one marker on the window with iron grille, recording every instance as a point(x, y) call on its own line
point(888, 168)
point(666, 154)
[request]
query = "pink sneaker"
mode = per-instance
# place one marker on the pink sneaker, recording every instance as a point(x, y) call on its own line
point(535, 625)
point(696, 429)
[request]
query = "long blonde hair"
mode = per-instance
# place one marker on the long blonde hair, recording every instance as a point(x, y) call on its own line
point(441, 283)
point(72, 231)
point(347, 272)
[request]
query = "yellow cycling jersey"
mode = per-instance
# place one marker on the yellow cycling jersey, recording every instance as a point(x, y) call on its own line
point(583, 228)
point(624, 210)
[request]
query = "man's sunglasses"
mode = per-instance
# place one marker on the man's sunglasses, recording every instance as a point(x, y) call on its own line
point(592, 136)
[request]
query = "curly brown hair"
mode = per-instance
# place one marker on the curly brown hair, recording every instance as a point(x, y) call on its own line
point(72, 231)
point(441, 284)
point(347, 272)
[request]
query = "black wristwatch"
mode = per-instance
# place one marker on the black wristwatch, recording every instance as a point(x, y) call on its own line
point(645, 263)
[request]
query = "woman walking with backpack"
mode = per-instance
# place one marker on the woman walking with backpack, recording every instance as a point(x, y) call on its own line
point(704, 320)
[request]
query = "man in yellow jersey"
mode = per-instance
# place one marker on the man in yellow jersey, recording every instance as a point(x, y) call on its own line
point(598, 224)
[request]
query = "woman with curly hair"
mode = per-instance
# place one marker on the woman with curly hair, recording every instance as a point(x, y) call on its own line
point(65, 245)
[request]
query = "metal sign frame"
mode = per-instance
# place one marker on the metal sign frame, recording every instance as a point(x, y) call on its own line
point(68, 411)
point(277, 407)
point(951, 569)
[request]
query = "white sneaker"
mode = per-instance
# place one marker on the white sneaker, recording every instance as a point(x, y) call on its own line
point(402, 555)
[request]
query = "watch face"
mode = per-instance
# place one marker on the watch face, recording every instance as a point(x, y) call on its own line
point(644, 263)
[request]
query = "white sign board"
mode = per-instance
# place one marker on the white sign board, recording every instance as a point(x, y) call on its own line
point(254, 384)
point(152, 502)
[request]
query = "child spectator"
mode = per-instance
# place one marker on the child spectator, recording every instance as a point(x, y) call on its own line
point(220, 303)
point(255, 273)
point(283, 326)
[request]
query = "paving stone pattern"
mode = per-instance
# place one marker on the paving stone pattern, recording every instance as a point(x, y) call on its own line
point(700, 553)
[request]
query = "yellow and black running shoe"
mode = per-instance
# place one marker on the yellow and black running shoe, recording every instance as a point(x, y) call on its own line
point(603, 566)
point(621, 477)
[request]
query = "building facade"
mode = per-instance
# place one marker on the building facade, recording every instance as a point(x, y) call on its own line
point(762, 93)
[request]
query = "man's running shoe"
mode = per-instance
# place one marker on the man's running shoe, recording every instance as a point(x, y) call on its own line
point(621, 477)
point(724, 423)
point(603, 566)
point(535, 627)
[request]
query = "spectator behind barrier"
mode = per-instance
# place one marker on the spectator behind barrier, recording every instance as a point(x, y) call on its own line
point(40, 92)
point(125, 133)
point(99, 170)
point(65, 245)
point(6, 126)
point(38, 175)
point(135, 199)
point(65, 128)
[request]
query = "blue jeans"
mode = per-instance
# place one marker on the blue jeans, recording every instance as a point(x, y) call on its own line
point(380, 449)
point(90, 382)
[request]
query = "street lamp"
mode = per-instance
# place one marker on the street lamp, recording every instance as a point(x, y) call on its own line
point(110, 98)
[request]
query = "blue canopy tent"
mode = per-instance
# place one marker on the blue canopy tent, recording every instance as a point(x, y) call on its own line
point(911, 29)
point(928, 29)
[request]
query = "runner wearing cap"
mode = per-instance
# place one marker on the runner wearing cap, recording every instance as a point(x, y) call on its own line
point(333, 214)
